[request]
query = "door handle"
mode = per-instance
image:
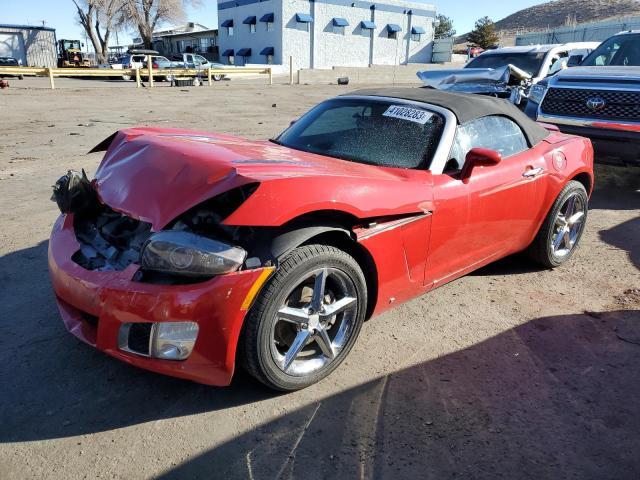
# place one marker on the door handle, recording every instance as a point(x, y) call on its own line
point(533, 172)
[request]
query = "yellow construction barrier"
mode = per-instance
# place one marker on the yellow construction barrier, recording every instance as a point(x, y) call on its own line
point(133, 73)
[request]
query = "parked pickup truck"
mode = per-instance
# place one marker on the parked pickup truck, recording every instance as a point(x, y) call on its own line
point(599, 99)
point(192, 60)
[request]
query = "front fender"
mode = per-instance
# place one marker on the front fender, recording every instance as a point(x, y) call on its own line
point(296, 236)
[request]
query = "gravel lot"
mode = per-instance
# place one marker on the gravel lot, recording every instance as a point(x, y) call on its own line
point(511, 372)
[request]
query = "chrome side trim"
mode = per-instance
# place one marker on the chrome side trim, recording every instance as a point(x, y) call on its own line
point(385, 227)
point(588, 122)
point(605, 84)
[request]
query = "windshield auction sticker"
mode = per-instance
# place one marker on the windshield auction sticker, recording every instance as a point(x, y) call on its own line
point(407, 113)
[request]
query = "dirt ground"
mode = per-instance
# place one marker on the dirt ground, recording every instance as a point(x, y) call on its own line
point(511, 372)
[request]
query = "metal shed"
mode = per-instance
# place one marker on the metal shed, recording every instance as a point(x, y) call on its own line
point(35, 46)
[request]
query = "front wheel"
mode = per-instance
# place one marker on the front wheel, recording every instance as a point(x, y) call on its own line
point(562, 230)
point(306, 319)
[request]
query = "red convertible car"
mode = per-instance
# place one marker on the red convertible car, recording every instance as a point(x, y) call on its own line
point(191, 252)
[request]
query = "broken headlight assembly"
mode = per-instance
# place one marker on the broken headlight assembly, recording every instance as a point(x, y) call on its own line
point(187, 254)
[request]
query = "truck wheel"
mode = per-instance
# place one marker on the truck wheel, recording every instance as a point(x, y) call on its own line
point(306, 319)
point(558, 238)
point(216, 78)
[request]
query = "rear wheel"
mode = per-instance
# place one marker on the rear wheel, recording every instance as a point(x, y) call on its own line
point(562, 230)
point(306, 319)
point(216, 78)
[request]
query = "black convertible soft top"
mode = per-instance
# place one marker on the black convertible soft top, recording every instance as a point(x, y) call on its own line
point(465, 107)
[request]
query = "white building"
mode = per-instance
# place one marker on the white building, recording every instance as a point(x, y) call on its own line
point(325, 33)
point(33, 46)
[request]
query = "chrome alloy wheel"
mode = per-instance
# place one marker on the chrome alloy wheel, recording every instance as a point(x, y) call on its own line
point(315, 322)
point(568, 225)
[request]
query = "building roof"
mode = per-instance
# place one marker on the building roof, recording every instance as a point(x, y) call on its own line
point(191, 34)
point(465, 107)
point(28, 27)
point(189, 27)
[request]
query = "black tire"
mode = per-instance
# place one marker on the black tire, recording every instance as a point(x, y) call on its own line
point(254, 352)
point(541, 249)
point(216, 78)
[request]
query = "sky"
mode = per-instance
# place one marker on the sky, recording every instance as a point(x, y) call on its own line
point(60, 14)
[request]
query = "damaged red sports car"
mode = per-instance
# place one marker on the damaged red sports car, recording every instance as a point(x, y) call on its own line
point(191, 252)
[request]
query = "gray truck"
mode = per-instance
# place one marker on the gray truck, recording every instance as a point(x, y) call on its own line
point(599, 99)
point(193, 60)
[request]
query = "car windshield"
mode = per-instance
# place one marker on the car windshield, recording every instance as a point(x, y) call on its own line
point(375, 132)
point(621, 50)
point(530, 62)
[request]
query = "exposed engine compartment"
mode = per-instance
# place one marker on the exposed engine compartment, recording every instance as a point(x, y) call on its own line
point(111, 241)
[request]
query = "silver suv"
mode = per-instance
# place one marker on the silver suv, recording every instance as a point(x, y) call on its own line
point(600, 99)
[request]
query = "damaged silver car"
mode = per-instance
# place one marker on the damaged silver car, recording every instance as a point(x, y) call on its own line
point(507, 72)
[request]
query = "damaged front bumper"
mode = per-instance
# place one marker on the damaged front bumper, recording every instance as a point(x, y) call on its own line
point(95, 305)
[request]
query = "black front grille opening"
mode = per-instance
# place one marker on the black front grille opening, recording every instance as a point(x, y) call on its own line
point(90, 319)
point(139, 336)
point(568, 102)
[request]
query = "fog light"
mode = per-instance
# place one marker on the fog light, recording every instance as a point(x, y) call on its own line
point(173, 340)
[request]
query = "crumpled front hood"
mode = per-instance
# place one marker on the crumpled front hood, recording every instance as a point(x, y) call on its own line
point(157, 174)
point(473, 80)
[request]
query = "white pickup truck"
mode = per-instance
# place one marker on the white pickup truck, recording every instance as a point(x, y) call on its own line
point(600, 99)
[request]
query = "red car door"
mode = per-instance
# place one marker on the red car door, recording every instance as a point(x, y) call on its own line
point(490, 215)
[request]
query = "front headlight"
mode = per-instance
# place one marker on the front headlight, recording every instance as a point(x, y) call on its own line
point(188, 254)
point(537, 93)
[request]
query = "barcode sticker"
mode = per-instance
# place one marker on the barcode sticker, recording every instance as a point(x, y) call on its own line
point(407, 113)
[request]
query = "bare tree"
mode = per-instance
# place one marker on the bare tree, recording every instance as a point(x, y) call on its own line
point(146, 15)
point(99, 18)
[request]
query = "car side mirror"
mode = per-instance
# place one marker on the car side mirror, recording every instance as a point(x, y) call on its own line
point(478, 157)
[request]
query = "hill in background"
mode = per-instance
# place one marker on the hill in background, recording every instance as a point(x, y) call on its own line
point(560, 12)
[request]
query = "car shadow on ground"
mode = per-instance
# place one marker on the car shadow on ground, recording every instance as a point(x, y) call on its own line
point(517, 264)
point(55, 386)
point(616, 188)
point(553, 398)
point(625, 236)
